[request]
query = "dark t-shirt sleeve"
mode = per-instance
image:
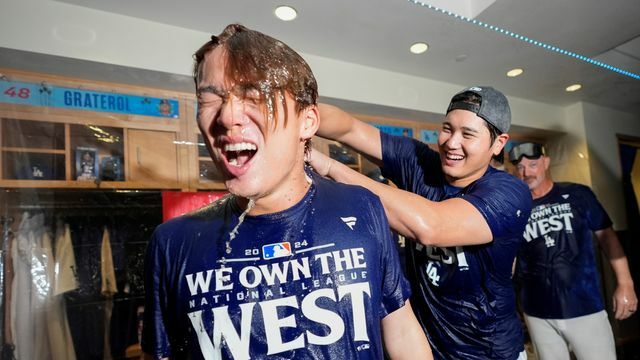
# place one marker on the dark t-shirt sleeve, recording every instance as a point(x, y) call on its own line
point(503, 200)
point(155, 340)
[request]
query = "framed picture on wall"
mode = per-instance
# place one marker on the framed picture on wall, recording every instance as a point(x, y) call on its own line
point(86, 163)
point(395, 130)
point(429, 136)
point(111, 168)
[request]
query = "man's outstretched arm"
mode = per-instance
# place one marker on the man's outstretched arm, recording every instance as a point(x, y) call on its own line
point(336, 124)
point(451, 222)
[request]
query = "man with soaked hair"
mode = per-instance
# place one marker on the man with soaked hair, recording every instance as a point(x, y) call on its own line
point(289, 265)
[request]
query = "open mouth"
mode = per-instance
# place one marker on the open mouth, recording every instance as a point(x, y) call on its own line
point(454, 157)
point(239, 154)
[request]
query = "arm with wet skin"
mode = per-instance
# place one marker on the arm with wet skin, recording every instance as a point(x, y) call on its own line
point(403, 336)
point(452, 222)
point(336, 124)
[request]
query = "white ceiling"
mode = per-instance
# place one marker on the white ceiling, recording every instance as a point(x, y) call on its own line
point(378, 33)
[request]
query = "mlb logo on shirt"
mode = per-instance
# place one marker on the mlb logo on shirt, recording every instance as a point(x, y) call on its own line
point(277, 250)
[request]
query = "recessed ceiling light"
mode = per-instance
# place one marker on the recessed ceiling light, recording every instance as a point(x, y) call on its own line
point(515, 72)
point(419, 48)
point(574, 87)
point(286, 13)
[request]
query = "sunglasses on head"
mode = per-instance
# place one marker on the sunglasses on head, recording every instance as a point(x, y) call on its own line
point(529, 150)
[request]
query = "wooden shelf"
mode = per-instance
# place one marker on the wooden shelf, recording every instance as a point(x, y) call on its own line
point(61, 184)
point(34, 150)
point(211, 185)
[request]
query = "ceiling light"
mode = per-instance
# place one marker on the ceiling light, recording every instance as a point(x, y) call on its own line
point(574, 87)
point(286, 13)
point(515, 72)
point(419, 48)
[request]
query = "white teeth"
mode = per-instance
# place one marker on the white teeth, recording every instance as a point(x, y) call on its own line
point(233, 162)
point(240, 147)
point(454, 157)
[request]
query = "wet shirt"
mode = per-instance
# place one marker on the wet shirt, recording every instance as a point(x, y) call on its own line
point(556, 265)
point(310, 282)
point(463, 296)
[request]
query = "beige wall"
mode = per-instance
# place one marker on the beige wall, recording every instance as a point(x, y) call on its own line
point(82, 33)
point(602, 126)
point(87, 34)
point(568, 152)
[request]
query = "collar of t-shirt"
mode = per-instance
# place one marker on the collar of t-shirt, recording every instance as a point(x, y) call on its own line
point(453, 191)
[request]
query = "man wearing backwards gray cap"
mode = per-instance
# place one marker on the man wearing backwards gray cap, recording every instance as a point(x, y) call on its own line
point(466, 219)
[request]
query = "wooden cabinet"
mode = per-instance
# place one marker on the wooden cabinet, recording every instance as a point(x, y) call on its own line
point(58, 155)
point(152, 158)
point(96, 153)
point(209, 177)
point(32, 150)
point(49, 137)
point(70, 133)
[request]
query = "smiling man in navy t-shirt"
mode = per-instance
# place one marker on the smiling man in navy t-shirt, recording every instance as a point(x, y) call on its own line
point(291, 265)
point(466, 219)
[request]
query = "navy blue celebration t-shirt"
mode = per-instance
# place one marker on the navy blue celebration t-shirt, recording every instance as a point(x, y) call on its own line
point(463, 296)
point(556, 265)
point(310, 282)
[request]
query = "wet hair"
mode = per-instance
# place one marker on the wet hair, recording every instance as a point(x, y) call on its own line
point(256, 61)
point(494, 132)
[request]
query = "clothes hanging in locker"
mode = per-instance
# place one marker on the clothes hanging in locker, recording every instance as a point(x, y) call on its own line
point(39, 322)
point(64, 277)
point(30, 288)
point(108, 289)
point(107, 273)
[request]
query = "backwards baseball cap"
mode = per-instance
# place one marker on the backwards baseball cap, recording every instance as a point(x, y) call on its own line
point(493, 108)
point(528, 150)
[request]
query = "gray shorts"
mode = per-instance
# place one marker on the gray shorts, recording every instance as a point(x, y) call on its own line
point(589, 337)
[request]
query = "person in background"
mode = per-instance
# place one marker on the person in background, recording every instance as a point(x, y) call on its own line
point(556, 269)
point(466, 219)
point(290, 265)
